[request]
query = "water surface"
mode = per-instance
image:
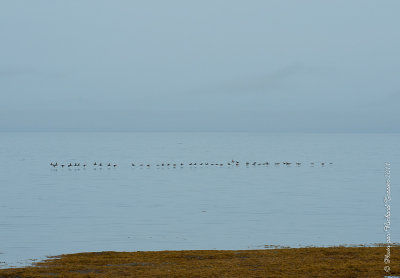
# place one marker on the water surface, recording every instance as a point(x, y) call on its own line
point(47, 211)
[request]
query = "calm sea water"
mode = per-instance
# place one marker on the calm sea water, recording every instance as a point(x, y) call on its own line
point(46, 211)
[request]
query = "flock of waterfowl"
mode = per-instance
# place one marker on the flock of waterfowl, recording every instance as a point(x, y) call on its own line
point(191, 164)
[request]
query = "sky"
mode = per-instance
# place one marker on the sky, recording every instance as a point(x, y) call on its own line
point(211, 65)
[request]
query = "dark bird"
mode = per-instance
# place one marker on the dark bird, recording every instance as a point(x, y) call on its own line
point(95, 164)
point(109, 164)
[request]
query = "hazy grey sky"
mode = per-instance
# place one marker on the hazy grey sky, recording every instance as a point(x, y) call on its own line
point(330, 66)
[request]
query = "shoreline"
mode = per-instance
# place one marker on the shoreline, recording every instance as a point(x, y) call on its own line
point(338, 261)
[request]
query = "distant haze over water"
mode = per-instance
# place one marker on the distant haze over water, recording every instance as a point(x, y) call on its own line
point(270, 66)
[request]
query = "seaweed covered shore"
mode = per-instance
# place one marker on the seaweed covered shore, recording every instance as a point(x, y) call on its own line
point(284, 262)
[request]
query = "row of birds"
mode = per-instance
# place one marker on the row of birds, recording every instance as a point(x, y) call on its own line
point(231, 163)
point(83, 165)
